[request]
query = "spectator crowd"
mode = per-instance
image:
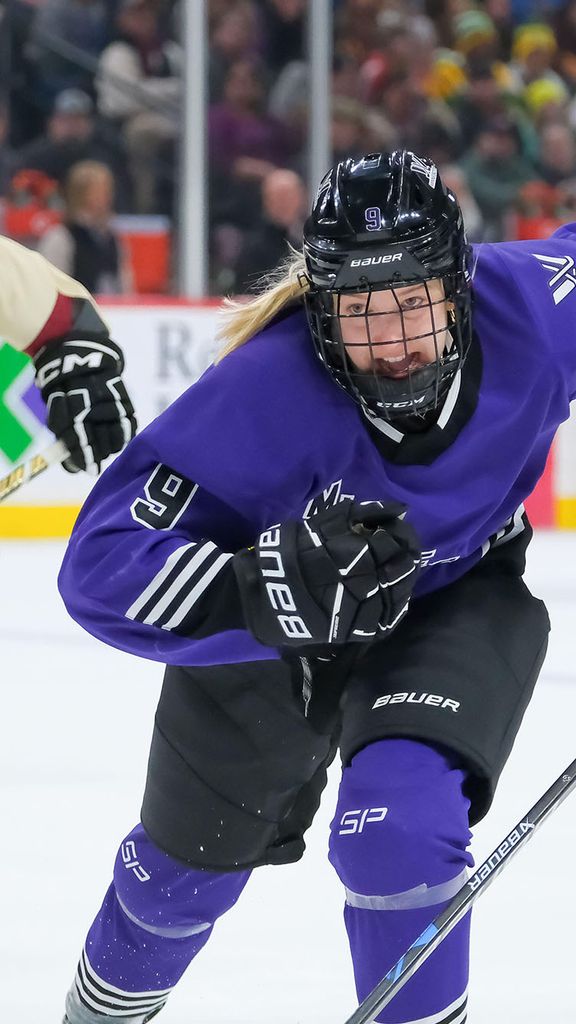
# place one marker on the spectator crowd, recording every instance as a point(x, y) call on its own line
point(90, 118)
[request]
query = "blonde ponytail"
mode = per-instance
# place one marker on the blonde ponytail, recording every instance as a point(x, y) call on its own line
point(287, 284)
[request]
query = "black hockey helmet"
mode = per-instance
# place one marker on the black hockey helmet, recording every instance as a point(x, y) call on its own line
point(386, 221)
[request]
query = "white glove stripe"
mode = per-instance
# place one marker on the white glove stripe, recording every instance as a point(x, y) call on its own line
point(93, 346)
point(344, 572)
point(315, 538)
point(124, 421)
point(80, 430)
point(335, 611)
point(391, 583)
point(396, 620)
point(78, 425)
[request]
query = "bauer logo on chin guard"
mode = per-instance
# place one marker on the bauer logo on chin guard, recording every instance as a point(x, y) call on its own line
point(435, 700)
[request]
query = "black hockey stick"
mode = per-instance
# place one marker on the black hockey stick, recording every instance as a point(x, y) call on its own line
point(461, 903)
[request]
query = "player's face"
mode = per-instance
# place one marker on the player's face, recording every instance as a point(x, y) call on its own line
point(395, 331)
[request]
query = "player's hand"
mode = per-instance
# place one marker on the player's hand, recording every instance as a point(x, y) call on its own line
point(87, 403)
point(345, 575)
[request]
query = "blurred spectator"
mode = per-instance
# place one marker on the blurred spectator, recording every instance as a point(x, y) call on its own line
point(82, 24)
point(441, 13)
point(454, 178)
point(345, 77)
point(502, 16)
point(378, 132)
point(440, 139)
point(289, 95)
point(357, 129)
point(138, 88)
point(284, 204)
point(356, 28)
point(19, 87)
point(85, 245)
point(567, 193)
point(538, 210)
point(557, 161)
point(546, 101)
point(403, 45)
point(32, 204)
point(348, 128)
point(233, 33)
point(414, 117)
point(245, 144)
point(447, 76)
point(496, 170)
point(533, 51)
point(476, 38)
point(284, 30)
point(481, 101)
point(8, 158)
point(485, 101)
point(564, 24)
point(73, 134)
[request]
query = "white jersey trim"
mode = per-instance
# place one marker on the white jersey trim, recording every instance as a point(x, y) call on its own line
point(195, 576)
point(156, 583)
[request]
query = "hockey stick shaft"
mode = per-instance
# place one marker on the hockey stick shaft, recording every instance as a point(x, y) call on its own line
point(462, 902)
point(28, 470)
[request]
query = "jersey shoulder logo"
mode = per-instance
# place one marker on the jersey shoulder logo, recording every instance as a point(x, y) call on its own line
point(563, 277)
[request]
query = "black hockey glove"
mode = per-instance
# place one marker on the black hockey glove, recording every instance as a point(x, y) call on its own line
point(87, 403)
point(344, 575)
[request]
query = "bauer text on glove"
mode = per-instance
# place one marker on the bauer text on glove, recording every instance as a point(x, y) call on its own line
point(344, 575)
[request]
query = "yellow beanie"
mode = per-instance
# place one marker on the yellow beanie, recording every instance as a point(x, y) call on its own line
point(528, 38)
point(447, 75)
point(543, 91)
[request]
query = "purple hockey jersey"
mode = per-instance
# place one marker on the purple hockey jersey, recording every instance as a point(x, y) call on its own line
point(266, 436)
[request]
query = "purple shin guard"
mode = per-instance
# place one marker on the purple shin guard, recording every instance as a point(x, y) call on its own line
point(399, 845)
point(156, 916)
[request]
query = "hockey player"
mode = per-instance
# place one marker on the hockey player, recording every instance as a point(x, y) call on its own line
point(52, 318)
point(324, 539)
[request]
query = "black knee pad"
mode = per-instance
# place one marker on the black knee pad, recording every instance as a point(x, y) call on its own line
point(236, 770)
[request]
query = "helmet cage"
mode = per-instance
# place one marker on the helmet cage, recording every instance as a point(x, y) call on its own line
point(424, 388)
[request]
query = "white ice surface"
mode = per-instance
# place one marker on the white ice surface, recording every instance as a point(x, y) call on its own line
point(75, 725)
